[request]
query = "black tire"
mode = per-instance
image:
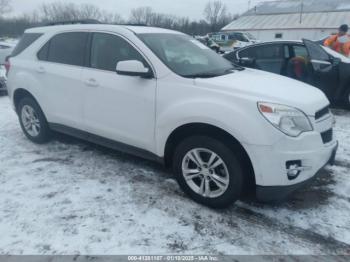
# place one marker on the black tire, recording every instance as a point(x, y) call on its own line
point(44, 133)
point(347, 100)
point(235, 184)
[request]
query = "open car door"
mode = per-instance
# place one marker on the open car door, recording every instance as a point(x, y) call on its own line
point(325, 73)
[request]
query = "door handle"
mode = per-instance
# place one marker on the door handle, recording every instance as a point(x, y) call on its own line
point(41, 70)
point(91, 82)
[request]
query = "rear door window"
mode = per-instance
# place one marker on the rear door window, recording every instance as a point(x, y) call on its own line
point(269, 52)
point(270, 58)
point(267, 57)
point(300, 51)
point(26, 40)
point(66, 48)
point(249, 52)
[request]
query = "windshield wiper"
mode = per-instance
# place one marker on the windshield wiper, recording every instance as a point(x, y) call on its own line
point(202, 75)
point(238, 67)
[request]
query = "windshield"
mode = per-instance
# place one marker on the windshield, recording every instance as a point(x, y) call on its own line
point(186, 56)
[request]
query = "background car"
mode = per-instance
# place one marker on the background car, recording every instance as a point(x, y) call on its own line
point(229, 41)
point(304, 60)
point(5, 50)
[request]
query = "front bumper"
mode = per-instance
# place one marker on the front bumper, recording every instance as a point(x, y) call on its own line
point(278, 193)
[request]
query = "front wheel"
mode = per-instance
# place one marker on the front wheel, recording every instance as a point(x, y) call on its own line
point(33, 121)
point(208, 171)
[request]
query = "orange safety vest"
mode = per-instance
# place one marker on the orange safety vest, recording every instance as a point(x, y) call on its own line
point(341, 48)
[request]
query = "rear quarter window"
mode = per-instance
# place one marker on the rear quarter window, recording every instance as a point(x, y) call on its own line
point(26, 40)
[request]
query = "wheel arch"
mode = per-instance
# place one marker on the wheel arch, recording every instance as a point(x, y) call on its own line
point(194, 129)
point(19, 94)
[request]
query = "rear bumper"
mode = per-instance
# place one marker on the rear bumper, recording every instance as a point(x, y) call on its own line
point(278, 193)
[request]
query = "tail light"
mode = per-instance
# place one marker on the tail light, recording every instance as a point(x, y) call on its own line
point(7, 65)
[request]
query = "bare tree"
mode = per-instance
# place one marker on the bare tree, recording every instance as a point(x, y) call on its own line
point(88, 11)
point(5, 7)
point(60, 11)
point(215, 12)
point(141, 15)
point(111, 18)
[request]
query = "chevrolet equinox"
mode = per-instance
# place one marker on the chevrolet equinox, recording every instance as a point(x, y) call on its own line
point(163, 95)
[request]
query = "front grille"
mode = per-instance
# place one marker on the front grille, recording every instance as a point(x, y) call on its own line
point(321, 113)
point(327, 136)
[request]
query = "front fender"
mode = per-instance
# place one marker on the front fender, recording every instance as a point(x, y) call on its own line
point(243, 122)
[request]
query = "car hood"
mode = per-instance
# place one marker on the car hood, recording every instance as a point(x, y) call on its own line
point(261, 86)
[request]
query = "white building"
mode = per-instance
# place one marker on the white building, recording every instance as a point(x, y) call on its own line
point(293, 19)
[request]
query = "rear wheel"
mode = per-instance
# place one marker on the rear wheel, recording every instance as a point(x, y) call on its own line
point(33, 121)
point(208, 171)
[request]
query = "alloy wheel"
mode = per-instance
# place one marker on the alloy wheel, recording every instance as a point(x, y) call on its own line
point(205, 173)
point(30, 121)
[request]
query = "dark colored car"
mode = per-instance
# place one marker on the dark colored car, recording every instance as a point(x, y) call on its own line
point(304, 60)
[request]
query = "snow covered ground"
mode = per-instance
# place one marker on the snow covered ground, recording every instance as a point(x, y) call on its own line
point(72, 197)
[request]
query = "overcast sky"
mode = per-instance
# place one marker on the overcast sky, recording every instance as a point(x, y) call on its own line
point(190, 8)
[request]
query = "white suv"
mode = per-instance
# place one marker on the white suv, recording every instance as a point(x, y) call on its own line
point(164, 96)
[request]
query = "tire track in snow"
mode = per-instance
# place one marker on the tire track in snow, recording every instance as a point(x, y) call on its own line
point(329, 245)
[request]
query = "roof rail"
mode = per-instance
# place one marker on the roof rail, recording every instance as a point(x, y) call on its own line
point(131, 24)
point(73, 22)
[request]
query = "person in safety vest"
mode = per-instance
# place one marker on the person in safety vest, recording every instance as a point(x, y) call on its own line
point(340, 42)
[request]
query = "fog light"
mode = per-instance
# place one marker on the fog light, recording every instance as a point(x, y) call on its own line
point(294, 169)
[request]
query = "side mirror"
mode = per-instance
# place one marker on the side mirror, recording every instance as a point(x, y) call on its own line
point(247, 61)
point(133, 68)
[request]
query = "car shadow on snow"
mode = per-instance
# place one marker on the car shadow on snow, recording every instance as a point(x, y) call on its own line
point(166, 196)
point(314, 194)
point(105, 151)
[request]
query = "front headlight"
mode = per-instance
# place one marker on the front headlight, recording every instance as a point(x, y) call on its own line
point(289, 120)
